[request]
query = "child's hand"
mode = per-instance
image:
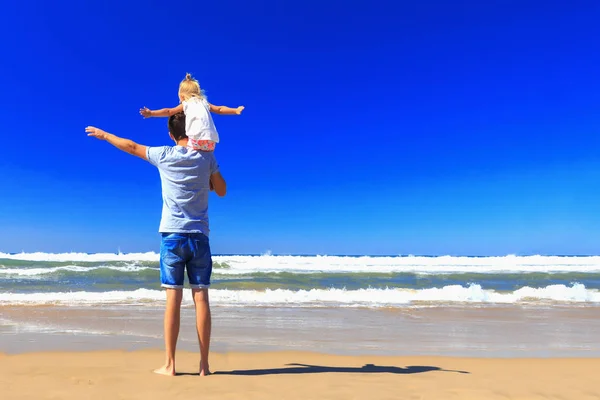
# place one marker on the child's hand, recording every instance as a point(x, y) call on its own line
point(239, 110)
point(145, 112)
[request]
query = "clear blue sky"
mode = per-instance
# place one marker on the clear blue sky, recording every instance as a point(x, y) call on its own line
point(394, 127)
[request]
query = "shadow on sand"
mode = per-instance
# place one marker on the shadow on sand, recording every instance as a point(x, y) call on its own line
point(317, 369)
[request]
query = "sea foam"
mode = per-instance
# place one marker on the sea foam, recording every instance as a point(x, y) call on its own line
point(236, 265)
point(475, 294)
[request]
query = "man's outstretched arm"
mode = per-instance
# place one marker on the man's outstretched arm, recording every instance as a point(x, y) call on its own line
point(125, 145)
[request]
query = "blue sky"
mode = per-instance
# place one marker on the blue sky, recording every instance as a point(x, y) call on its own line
point(429, 127)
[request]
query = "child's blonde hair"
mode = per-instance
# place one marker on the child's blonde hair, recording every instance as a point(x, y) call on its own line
point(189, 87)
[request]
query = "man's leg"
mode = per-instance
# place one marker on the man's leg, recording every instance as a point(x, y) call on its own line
point(203, 326)
point(172, 266)
point(171, 326)
point(199, 270)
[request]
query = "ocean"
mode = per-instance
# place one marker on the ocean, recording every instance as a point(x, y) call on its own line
point(511, 305)
point(307, 281)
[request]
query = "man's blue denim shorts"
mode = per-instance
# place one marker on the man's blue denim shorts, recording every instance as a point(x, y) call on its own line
point(181, 252)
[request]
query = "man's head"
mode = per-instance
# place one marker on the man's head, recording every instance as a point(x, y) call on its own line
point(177, 127)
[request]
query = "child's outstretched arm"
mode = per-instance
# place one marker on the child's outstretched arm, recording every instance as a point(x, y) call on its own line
point(163, 112)
point(224, 110)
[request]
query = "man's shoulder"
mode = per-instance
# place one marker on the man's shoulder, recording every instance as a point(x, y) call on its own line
point(175, 154)
point(159, 154)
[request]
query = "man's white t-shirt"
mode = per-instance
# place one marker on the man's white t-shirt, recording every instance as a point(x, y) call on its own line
point(185, 176)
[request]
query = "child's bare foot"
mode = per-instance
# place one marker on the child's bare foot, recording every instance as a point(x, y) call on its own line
point(168, 370)
point(204, 370)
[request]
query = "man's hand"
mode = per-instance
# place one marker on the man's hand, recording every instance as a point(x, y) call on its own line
point(125, 145)
point(96, 132)
point(218, 184)
point(239, 110)
point(145, 112)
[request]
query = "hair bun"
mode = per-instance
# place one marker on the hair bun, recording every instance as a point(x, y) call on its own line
point(188, 77)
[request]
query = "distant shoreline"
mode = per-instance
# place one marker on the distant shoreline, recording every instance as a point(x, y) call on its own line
point(320, 255)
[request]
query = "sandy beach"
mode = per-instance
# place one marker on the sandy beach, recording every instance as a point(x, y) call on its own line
point(293, 375)
point(90, 327)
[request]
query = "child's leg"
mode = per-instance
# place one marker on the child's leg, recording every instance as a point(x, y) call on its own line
point(202, 145)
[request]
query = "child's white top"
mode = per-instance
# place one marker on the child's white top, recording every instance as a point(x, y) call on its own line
point(199, 124)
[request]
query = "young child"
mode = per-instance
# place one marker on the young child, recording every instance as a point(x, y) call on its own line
point(199, 125)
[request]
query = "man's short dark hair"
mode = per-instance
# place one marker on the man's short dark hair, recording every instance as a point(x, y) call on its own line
point(177, 126)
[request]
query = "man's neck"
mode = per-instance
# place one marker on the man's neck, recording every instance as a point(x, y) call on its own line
point(182, 142)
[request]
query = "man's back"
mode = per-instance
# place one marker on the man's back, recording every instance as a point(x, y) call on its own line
point(185, 176)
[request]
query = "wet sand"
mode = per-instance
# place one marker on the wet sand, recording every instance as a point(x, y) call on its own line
point(501, 331)
point(292, 375)
point(262, 353)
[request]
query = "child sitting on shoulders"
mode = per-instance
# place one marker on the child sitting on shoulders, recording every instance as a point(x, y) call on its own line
point(199, 126)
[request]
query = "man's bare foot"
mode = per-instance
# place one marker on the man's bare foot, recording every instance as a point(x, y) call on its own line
point(204, 370)
point(166, 369)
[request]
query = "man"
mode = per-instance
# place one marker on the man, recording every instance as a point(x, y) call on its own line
point(186, 176)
